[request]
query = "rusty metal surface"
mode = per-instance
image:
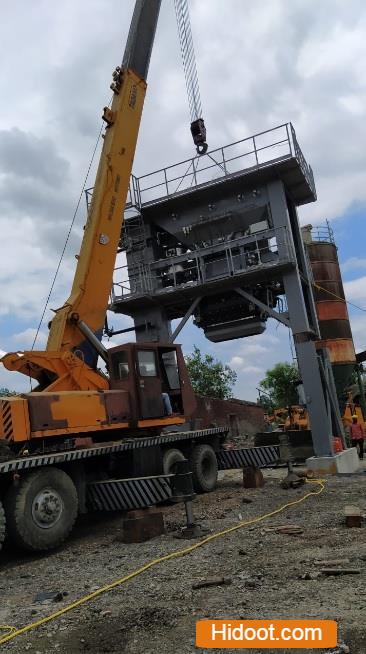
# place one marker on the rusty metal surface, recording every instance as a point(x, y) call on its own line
point(334, 325)
point(330, 290)
point(40, 411)
point(334, 329)
point(327, 271)
point(322, 252)
point(341, 350)
point(331, 310)
point(117, 404)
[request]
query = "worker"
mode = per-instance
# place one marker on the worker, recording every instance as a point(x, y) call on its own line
point(167, 404)
point(357, 435)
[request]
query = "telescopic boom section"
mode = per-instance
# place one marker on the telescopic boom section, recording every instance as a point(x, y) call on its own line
point(88, 301)
point(94, 273)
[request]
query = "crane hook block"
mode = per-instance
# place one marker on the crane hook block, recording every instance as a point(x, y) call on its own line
point(198, 131)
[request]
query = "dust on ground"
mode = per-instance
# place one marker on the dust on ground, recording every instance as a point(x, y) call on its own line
point(157, 611)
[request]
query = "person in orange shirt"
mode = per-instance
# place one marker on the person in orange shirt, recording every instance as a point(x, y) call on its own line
point(357, 435)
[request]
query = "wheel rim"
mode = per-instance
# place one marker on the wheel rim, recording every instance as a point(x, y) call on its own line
point(47, 508)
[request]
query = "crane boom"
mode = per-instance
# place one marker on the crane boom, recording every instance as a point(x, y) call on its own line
point(88, 300)
point(87, 304)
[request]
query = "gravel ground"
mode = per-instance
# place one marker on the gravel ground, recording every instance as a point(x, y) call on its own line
point(156, 612)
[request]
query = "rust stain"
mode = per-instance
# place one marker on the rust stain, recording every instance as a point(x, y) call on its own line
point(341, 350)
point(332, 310)
point(322, 252)
point(326, 271)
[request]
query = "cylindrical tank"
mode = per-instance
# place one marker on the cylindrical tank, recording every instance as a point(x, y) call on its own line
point(331, 307)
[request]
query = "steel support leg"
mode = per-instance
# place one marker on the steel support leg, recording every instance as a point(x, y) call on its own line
point(158, 326)
point(302, 321)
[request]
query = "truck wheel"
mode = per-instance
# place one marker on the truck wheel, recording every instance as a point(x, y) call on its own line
point(170, 458)
point(203, 464)
point(41, 509)
point(2, 525)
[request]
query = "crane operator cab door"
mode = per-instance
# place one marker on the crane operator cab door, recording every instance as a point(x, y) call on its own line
point(149, 385)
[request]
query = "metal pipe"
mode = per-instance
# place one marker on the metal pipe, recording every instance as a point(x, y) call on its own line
point(93, 340)
point(264, 307)
point(185, 318)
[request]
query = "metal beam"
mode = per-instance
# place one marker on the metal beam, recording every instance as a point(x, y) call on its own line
point(194, 304)
point(264, 307)
point(328, 380)
point(301, 314)
point(141, 36)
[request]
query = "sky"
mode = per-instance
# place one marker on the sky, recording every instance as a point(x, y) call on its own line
point(259, 65)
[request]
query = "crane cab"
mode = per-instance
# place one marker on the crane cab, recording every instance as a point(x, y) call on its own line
point(149, 387)
point(155, 377)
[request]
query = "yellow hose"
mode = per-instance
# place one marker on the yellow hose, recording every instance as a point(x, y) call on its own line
point(13, 632)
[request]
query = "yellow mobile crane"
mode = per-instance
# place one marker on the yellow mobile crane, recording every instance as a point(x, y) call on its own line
point(53, 441)
point(72, 395)
point(83, 439)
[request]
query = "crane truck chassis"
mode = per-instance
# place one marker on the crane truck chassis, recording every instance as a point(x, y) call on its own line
point(43, 494)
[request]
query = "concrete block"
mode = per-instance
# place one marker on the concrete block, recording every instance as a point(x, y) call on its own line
point(142, 525)
point(345, 462)
point(353, 516)
point(252, 478)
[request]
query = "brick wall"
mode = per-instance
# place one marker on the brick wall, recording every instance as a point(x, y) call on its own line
point(243, 418)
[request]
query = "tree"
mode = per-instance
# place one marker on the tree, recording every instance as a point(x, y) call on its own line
point(279, 385)
point(5, 392)
point(210, 377)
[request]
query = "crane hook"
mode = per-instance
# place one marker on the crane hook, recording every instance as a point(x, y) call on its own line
point(198, 131)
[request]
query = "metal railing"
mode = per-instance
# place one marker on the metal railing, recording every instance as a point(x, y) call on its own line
point(255, 152)
point(323, 233)
point(264, 250)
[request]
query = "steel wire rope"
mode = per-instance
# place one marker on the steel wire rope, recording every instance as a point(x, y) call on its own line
point(338, 297)
point(69, 232)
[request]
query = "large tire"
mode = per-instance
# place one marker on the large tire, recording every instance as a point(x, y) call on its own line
point(170, 458)
point(203, 464)
point(41, 510)
point(2, 525)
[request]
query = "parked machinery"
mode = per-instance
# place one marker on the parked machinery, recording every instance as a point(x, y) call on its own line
point(86, 439)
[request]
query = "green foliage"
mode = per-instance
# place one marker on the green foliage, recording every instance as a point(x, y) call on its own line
point(5, 392)
point(210, 377)
point(279, 385)
point(265, 402)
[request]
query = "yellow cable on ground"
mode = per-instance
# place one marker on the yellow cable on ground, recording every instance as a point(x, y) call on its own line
point(14, 632)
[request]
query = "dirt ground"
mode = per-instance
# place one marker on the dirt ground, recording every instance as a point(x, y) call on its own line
point(156, 611)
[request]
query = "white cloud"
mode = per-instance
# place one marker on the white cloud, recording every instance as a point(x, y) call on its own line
point(236, 361)
point(26, 338)
point(358, 326)
point(356, 289)
point(239, 364)
point(353, 263)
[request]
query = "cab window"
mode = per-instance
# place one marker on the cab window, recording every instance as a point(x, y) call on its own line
point(170, 364)
point(120, 365)
point(146, 363)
